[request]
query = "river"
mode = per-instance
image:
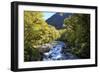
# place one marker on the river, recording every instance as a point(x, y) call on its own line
point(57, 52)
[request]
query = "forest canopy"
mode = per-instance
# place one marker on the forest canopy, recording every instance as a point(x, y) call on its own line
point(78, 34)
point(36, 32)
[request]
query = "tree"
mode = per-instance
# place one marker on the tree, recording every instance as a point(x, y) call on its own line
point(36, 32)
point(78, 34)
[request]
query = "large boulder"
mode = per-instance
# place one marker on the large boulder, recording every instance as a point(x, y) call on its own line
point(44, 48)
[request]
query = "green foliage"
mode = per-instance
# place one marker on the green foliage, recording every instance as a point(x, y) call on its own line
point(36, 32)
point(78, 34)
point(32, 55)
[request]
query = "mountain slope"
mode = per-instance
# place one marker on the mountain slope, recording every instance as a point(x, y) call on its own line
point(58, 19)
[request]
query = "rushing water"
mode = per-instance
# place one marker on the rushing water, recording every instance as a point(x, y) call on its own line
point(57, 52)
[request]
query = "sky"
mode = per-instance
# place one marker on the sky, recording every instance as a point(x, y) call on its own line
point(47, 15)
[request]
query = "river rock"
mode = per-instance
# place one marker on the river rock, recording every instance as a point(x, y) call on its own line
point(44, 48)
